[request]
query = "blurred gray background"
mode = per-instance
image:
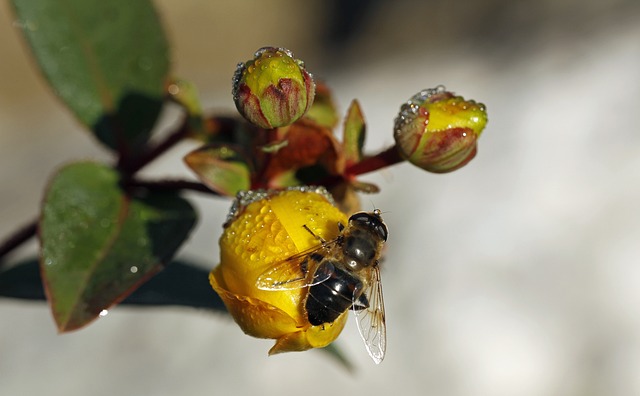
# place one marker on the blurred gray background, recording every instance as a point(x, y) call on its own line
point(517, 275)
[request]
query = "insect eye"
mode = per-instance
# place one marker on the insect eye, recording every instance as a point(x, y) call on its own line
point(381, 230)
point(370, 221)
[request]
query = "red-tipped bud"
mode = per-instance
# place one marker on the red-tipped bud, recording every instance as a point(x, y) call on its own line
point(273, 89)
point(437, 131)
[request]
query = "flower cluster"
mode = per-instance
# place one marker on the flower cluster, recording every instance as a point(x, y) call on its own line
point(286, 141)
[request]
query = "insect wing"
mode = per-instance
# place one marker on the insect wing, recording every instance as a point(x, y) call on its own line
point(371, 319)
point(297, 271)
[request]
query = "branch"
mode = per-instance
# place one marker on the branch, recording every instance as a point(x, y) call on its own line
point(129, 168)
point(388, 157)
point(171, 185)
point(18, 238)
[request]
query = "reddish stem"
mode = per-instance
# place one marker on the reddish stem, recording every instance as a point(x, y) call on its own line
point(388, 157)
point(129, 168)
point(126, 167)
point(18, 238)
point(383, 159)
point(171, 185)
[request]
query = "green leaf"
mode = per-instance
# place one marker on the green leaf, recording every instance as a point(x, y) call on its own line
point(179, 284)
point(99, 244)
point(221, 168)
point(354, 133)
point(185, 94)
point(107, 60)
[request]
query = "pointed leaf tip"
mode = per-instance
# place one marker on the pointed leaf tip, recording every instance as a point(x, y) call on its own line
point(221, 168)
point(99, 244)
point(354, 133)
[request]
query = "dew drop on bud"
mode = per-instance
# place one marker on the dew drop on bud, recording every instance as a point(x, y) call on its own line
point(437, 131)
point(273, 89)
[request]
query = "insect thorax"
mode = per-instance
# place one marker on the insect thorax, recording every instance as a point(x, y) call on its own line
point(360, 249)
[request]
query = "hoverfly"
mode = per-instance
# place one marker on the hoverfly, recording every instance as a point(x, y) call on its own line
point(340, 274)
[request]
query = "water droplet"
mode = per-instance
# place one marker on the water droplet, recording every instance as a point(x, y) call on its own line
point(133, 269)
point(25, 25)
point(173, 89)
point(103, 313)
point(280, 237)
point(287, 52)
point(261, 51)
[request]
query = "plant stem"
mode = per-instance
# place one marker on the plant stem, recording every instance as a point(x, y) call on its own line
point(171, 185)
point(18, 238)
point(385, 158)
point(129, 168)
point(388, 157)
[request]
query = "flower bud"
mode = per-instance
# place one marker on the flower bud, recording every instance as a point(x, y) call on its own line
point(273, 89)
point(264, 228)
point(437, 131)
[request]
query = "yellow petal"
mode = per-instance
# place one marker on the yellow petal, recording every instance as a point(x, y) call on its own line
point(269, 231)
point(256, 318)
point(312, 337)
point(265, 233)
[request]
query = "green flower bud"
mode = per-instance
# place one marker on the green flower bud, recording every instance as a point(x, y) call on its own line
point(273, 89)
point(437, 131)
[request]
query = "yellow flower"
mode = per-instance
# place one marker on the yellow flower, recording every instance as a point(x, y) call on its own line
point(262, 232)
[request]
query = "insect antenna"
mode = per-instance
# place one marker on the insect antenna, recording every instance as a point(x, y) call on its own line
point(314, 234)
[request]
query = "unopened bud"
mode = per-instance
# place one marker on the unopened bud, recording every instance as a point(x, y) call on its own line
point(264, 228)
point(273, 89)
point(437, 131)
